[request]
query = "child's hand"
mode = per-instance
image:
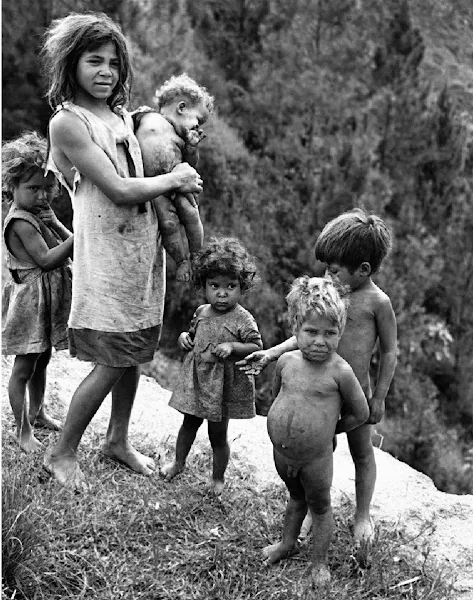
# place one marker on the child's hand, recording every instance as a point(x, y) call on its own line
point(377, 406)
point(194, 137)
point(48, 216)
point(224, 350)
point(254, 363)
point(185, 342)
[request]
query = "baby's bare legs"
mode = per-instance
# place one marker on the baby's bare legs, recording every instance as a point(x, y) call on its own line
point(61, 460)
point(22, 372)
point(117, 445)
point(185, 439)
point(172, 233)
point(36, 388)
point(221, 453)
point(361, 448)
point(190, 218)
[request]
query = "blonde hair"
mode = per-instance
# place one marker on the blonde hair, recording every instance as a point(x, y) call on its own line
point(183, 85)
point(21, 159)
point(316, 295)
point(353, 238)
point(66, 40)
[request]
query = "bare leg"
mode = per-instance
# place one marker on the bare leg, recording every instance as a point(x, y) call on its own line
point(172, 234)
point(317, 480)
point(221, 453)
point(36, 389)
point(23, 369)
point(361, 448)
point(185, 439)
point(190, 218)
point(61, 460)
point(295, 511)
point(116, 444)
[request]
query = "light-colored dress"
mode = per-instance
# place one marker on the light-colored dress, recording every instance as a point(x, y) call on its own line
point(119, 268)
point(209, 387)
point(35, 303)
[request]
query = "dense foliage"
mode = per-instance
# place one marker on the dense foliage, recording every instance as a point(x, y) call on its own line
point(322, 105)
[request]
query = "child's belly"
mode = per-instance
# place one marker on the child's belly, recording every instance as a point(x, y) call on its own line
point(301, 430)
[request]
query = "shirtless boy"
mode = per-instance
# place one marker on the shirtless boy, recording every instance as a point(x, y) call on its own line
point(351, 248)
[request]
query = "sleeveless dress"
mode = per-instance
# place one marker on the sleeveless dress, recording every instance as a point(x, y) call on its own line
point(35, 303)
point(119, 268)
point(209, 387)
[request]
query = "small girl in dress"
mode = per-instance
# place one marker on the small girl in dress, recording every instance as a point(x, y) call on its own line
point(221, 332)
point(37, 297)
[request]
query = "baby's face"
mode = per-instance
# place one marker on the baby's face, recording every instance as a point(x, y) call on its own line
point(317, 338)
point(190, 118)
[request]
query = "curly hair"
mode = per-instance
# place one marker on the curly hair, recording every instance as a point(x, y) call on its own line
point(352, 238)
point(183, 85)
point(316, 295)
point(21, 158)
point(224, 256)
point(66, 40)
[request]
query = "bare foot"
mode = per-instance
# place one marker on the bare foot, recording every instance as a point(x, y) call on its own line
point(66, 470)
point(28, 443)
point(320, 576)
point(216, 486)
point(47, 422)
point(183, 271)
point(276, 552)
point(306, 527)
point(363, 530)
point(130, 457)
point(170, 470)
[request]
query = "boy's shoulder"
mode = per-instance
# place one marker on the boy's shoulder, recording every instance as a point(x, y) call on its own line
point(370, 294)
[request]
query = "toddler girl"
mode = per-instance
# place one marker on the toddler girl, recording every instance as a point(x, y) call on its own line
point(37, 297)
point(211, 386)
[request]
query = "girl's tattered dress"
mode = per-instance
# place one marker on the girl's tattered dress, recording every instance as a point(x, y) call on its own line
point(35, 303)
point(209, 387)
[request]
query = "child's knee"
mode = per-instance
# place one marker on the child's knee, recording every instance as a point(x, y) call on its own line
point(170, 225)
point(218, 439)
point(319, 504)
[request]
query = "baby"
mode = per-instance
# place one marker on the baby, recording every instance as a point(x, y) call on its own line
point(169, 136)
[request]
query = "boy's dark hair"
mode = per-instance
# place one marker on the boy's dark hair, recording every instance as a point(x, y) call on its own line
point(352, 238)
point(224, 256)
point(66, 39)
point(21, 158)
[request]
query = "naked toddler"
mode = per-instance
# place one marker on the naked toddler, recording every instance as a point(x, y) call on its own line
point(312, 387)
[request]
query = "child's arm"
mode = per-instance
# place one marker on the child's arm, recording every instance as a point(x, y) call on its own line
point(355, 406)
point(49, 217)
point(276, 380)
point(70, 136)
point(387, 335)
point(190, 153)
point(236, 348)
point(254, 363)
point(34, 244)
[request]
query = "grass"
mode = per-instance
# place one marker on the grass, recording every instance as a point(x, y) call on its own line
point(132, 538)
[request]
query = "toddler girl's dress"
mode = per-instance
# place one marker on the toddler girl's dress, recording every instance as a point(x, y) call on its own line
point(210, 387)
point(35, 303)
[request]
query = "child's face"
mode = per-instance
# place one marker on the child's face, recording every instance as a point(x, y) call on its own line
point(342, 274)
point(222, 292)
point(317, 338)
point(190, 117)
point(34, 194)
point(98, 72)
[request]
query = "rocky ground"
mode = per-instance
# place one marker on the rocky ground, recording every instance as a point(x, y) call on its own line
point(438, 526)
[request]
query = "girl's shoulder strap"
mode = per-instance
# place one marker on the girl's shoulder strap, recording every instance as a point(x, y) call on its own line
point(81, 113)
point(24, 215)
